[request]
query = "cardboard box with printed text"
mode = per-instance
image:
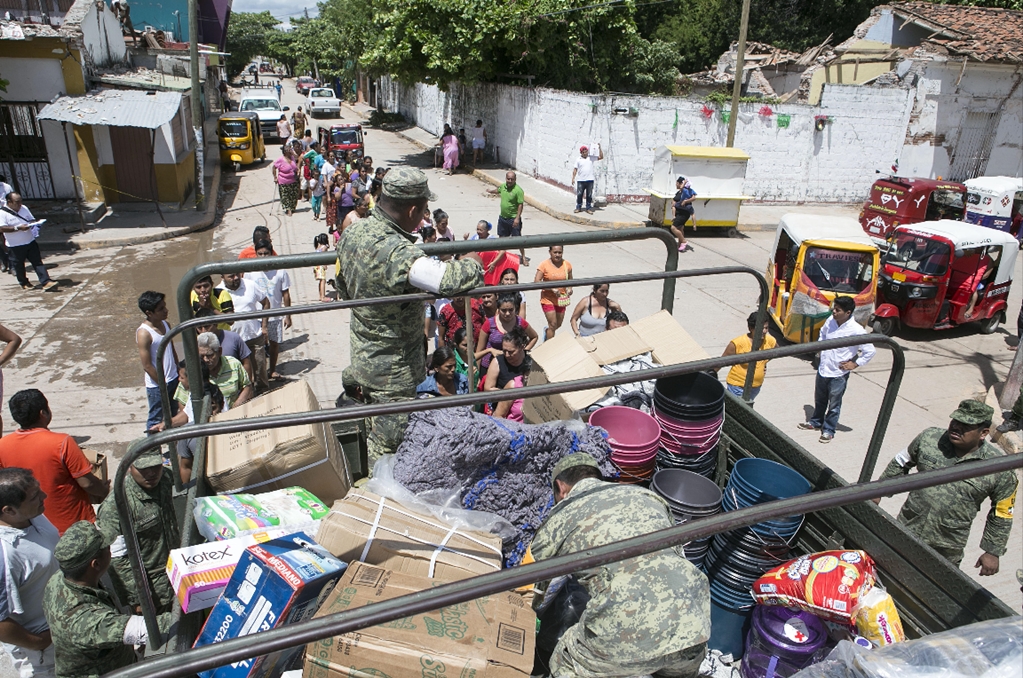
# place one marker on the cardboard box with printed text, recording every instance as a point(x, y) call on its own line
point(490, 637)
point(565, 358)
point(308, 455)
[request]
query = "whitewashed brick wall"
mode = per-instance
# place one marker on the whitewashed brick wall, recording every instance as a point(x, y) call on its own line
point(538, 131)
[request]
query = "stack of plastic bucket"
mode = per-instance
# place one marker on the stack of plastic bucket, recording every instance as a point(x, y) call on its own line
point(690, 497)
point(633, 436)
point(690, 409)
point(737, 559)
point(782, 642)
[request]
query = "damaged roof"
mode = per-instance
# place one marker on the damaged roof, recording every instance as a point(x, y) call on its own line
point(980, 33)
point(115, 108)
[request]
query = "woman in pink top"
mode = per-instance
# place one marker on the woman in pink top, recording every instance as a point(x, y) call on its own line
point(452, 149)
point(285, 170)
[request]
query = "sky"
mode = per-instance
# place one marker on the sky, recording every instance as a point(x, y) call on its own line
point(281, 9)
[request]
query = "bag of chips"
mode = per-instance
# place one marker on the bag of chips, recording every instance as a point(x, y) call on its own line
point(828, 584)
point(877, 620)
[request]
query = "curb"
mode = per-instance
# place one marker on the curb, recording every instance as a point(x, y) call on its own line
point(209, 216)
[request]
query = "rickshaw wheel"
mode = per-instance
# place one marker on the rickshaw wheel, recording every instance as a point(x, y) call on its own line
point(991, 325)
point(886, 326)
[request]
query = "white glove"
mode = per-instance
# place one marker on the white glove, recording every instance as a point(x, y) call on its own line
point(135, 632)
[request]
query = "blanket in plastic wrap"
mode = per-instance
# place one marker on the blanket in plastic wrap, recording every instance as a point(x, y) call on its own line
point(495, 465)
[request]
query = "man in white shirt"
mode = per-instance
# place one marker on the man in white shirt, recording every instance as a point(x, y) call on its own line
point(27, 540)
point(275, 284)
point(20, 233)
point(583, 175)
point(248, 297)
point(835, 367)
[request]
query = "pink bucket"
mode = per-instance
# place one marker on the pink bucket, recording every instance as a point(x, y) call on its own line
point(628, 429)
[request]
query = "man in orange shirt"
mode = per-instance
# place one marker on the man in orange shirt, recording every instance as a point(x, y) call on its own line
point(258, 233)
point(55, 459)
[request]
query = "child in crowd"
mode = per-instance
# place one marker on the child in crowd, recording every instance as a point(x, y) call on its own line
point(321, 243)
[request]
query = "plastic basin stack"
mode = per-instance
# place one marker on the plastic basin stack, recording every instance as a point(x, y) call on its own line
point(690, 496)
point(690, 409)
point(633, 436)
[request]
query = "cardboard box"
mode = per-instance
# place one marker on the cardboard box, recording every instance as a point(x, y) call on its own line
point(279, 582)
point(491, 637)
point(200, 573)
point(565, 358)
point(402, 540)
point(99, 463)
point(260, 461)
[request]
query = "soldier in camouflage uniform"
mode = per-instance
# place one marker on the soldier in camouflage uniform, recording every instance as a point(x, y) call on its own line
point(150, 502)
point(376, 258)
point(941, 516)
point(646, 615)
point(90, 637)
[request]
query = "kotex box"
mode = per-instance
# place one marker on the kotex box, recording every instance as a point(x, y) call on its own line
point(200, 573)
point(275, 583)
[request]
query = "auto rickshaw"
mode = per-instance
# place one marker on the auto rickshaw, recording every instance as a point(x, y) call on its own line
point(342, 138)
point(241, 140)
point(941, 274)
point(897, 201)
point(814, 260)
point(995, 202)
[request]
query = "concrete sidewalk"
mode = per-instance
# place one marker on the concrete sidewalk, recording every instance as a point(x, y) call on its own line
point(559, 203)
point(137, 223)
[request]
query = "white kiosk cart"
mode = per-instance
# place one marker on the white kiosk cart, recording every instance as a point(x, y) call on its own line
point(716, 174)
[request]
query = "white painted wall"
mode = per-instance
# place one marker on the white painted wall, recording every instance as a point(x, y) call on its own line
point(539, 131)
point(57, 150)
point(101, 36)
point(32, 79)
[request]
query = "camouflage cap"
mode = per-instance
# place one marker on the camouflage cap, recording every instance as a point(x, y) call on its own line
point(973, 412)
point(79, 545)
point(407, 183)
point(567, 462)
point(149, 460)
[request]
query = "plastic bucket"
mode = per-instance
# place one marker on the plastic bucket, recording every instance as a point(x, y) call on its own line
point(781, 642)
point(728, 628)
point(689, 393)
point(767, 480)
point(628, 429)
point(687, 489)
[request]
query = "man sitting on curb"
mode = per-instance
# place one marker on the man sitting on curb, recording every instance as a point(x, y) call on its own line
point(645, 615)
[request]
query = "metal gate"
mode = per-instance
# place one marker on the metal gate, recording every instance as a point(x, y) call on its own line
point(973, 147)
point(23, 151)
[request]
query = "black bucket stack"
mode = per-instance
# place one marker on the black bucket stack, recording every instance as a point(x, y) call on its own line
point(690, 496)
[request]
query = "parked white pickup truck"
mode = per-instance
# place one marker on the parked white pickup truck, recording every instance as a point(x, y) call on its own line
point(321, 101)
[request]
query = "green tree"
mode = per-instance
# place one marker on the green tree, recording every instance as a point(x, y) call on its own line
point(247, 37)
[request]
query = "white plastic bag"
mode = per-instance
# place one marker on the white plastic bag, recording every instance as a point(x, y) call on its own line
point(444, 504)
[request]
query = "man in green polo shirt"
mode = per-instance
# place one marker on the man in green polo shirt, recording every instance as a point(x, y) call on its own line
point(226, 372)
point(509, 223)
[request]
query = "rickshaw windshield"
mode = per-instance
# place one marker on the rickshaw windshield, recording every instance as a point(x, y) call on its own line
point(915, 253)
point(945, 204)
point(839, 271)
point(344, 137)
point(234, 128)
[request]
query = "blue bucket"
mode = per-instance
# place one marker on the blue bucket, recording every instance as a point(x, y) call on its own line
point(728, 629)
point(767, 480)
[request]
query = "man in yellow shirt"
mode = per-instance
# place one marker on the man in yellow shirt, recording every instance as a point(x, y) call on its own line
point(744, 344)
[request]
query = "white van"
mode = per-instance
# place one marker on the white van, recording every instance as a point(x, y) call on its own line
point(264, 103)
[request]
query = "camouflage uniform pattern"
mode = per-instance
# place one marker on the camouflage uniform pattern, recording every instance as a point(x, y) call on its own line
point(941, 516)
point(86, 628)
point(388, 360)
point(157, 528)
point(645, 614)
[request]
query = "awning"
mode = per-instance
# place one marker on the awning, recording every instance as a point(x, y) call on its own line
point(115, 108)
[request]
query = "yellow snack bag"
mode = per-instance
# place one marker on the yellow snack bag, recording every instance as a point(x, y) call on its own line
point(877, 620)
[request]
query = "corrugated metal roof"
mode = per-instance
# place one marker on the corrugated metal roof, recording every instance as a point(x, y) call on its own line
point(115, 108)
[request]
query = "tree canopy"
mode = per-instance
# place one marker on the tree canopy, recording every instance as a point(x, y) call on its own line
point(638, 46)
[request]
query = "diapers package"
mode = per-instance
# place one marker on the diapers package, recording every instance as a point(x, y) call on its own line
point(235, 515)
point(877, 620)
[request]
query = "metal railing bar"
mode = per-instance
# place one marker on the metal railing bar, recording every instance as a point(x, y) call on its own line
point(302, 633)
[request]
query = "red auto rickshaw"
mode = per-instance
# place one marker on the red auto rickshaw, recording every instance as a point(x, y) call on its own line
point(342, 138)
point(898, 201)
point(941, 274)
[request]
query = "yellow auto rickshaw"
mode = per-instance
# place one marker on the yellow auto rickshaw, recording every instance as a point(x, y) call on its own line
point(815, 259)
point(241, 140)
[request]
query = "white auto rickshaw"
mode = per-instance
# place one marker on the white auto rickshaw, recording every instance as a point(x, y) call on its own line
point(995, 202)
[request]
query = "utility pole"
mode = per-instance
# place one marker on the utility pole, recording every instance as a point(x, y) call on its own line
point(197, 93)
point(740, 59)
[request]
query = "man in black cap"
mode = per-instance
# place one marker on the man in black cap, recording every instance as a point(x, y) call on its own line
point(151, 504)
point(90, 637)
point(941, 516)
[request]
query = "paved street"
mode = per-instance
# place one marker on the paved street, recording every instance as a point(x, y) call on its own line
point(79, 343)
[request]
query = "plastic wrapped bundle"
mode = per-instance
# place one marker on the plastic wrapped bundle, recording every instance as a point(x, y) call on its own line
point(988, 649)
point(494, 465)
